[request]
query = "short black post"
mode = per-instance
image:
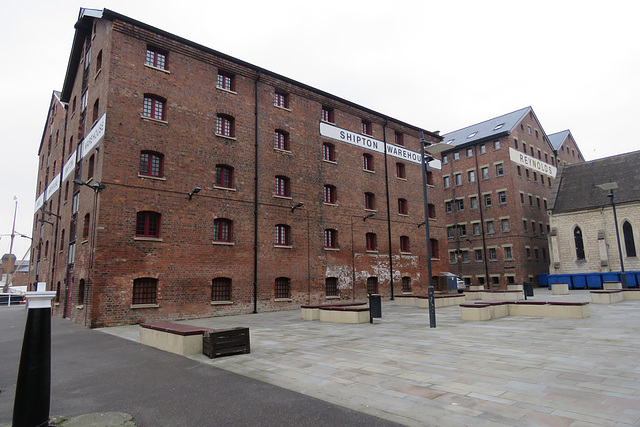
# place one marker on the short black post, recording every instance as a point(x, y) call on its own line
point(33, 388)
point(432, 308)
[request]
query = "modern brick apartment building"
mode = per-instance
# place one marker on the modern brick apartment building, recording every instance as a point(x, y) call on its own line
point(497, 186)
point(205, 185)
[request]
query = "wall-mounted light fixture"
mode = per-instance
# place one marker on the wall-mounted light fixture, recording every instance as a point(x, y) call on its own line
point(95, 186)
point(42, 220)
point(367, 216)
point(194, 191)
point(297, 205)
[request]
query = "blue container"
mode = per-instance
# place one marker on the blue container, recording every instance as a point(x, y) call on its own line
point(633, 279)
point(611, 277)
point(543, 279)
point(578, 281)
point(594, 280)
point(559, 278)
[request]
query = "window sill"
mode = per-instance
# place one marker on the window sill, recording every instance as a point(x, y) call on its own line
point(283, 246)
point(406, 253)
point(283, 300)
point(217, 187)
point(147, 239)
point(97, 74)
point(371, 210)
point(221, 302)
point(56, 304)
point(281, 151)
point(226, 90)
point(277, 196)
point(84, 242)
point(216, 243)
point(136, 306)
point(79, 307)
point(282, 108)
point(157, 69)
point(333, 162)
point(326, 121)
point(401, 179)
point(332, 297)
point(232, 138)
point(403, 214)
point(332, 249)
point(369, 251)
point(151, 119)
point(155, 178)
point(368, 170)
point(330, 204)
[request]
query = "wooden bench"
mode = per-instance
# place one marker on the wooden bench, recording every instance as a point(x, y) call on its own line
point(226, 342)
point(185, 340)
point(485, 310)
point(312, 312)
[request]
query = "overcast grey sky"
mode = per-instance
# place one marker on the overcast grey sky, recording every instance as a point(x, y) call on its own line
point(441, 65)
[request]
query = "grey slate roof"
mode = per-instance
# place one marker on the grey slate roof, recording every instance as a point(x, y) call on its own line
point(575, 187)
point(492, 128)
point(557, 139)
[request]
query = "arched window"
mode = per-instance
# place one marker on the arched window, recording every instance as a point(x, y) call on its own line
point(629, 242)
point(85, 227)
point(281, 140)
point(372, 285)
point(224, 176)
point(405, 244)
point(154, 107)
point(435, 249)
point(331, 286)
point(432, 211)
point(577, 238)
point(148, 224)
point(225, 126)
point(282, 235)
point(403, 207)
point(401, 171)
point(81, 291)
point(406, 284)
point(367, 162)
point(330, 194)
point(145, 290)
point(283, 287)
point(151, 164)
point(330, 238)
point(372, 242)
point(222, 230)
point(369, 201)
point(328, 152)
point(282, 186)
point(221, 289)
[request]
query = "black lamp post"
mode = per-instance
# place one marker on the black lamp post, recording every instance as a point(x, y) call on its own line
point(612, 186)
point(430, 149)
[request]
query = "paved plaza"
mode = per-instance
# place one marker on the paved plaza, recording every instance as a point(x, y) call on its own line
point(513, 371)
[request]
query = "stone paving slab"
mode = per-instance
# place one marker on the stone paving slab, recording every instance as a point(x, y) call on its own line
point(515, 371)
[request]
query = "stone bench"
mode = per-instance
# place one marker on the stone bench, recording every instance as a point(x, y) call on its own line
point(406, 300)
point(483, 310)
point(608, 286)
point(350, 314)
point(185, 340)
point(442, 300)
point(612, 296)
point(501, 295)
point(312, 312)
point(560, 289)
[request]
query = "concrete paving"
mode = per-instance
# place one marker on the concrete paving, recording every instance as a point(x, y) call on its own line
point(514, 371)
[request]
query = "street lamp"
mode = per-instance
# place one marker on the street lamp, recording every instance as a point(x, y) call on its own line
point(196, 190)
point(613, 186)
point(430, 149)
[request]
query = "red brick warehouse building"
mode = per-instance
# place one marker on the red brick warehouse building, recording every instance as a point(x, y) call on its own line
point(205, 185)
point(497, 182)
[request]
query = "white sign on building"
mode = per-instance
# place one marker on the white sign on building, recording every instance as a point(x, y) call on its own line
point(532, 163)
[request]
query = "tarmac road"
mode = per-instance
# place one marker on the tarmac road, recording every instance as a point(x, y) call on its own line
point(93, 372)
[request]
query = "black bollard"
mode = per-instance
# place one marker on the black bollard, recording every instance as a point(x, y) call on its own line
point(33, 388)
point(432, 308)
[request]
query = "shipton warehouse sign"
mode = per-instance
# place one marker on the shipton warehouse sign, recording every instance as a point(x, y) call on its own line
point(533, 163)
point(369, 143)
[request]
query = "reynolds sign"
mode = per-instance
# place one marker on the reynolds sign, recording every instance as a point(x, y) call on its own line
point(368, 143)
point(533, 163)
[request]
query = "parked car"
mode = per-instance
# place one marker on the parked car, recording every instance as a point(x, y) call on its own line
point(461, 285)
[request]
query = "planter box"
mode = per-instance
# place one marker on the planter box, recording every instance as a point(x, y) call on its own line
point(607, 297)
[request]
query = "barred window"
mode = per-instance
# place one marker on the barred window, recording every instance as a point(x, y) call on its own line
point(331, 286)
point(153, 107)
point(224, 176)
point(372, 285)
point(225, 126)
point(156, 58)
point(148, 224)
point(282, 235)
point(151, 164)
point(145, 290)
point(406, 284)
point(222, 230)
point(226, 81)
point(327, 114)
point(283, 287)
point(221, 289)
point(281, 140)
